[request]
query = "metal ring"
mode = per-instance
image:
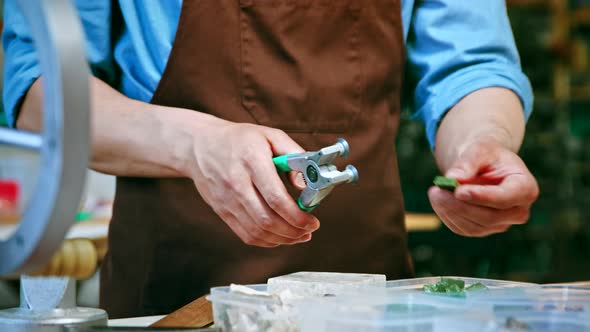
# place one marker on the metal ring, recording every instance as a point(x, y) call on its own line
point(57, 33)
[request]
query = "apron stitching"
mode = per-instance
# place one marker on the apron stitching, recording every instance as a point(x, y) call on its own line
point(355, 44)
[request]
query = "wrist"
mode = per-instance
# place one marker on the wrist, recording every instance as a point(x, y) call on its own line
point(183, 130)
point(177, 130)
point(499, 137)
point(485, 141)
point(491, 116)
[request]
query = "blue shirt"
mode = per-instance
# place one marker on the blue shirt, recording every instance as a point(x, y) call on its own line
point(454, 47)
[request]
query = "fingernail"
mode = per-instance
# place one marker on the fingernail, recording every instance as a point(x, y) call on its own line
point(311, 227)
point(304, 238)
point(455, 173)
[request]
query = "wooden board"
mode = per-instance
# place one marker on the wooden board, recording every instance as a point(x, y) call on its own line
point(198, 313)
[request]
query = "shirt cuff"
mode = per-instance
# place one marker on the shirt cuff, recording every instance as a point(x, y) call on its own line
point(466, 81)
point(13, 97)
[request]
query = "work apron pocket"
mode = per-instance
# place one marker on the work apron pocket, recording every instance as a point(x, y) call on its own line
point(301, 63)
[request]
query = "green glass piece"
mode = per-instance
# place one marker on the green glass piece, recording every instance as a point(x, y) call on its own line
point(446, 183)
point(453, 283)
point(446, 286)
point(478, 286)
point(453, 287)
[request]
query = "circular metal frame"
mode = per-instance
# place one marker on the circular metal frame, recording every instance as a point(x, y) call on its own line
point(65, 141)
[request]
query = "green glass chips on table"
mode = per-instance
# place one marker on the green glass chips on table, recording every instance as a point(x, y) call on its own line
point(446, 285)
point(446, 183)
point(453, 287)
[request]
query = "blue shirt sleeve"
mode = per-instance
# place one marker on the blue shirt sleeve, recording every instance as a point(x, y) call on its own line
point(21, 66)
point(456, 47)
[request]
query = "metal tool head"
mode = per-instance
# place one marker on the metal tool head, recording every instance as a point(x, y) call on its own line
point(354, 172)
point(320, 175)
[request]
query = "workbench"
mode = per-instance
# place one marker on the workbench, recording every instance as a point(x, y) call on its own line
point(198, 313)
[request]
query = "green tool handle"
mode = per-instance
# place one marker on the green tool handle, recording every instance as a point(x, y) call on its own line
point(282, 165)
point(305, 208)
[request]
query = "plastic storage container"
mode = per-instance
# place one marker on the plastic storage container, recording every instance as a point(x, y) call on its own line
point(540, 321)
point(510, 309)
point(403, 306)
point(505, 296)
point(403, 311)
point(234, 311)
point(544, 308)
point(547, 299)
point(247, 313)
point(418, 283)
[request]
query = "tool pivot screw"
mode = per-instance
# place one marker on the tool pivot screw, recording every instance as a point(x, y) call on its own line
point(312, 173)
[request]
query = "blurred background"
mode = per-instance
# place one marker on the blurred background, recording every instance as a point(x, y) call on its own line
point(554, 43)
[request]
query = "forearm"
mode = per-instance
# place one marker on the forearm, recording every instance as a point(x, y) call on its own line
point(129, 137)
point(491, 114)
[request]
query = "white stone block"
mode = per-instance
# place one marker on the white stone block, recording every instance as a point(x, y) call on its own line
point(314, 284)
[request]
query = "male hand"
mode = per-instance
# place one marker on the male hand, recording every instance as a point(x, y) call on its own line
point(230, 163)
point(496, 191)
point(234, 173)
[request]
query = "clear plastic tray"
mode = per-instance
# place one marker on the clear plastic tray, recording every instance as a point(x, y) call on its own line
point(536, 308)
point(565, 293)
point(403, 306)
point(545, 298)
point(406, 311)
point(418, 283)
point(539, 321)
point(505, 296)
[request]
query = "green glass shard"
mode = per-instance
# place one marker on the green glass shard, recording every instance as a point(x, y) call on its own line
point(478, 286)
point(446, 183)
point(453, 287)
point(453, 283)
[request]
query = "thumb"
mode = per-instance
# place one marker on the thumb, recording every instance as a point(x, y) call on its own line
point(280, 142)
point(459, 173)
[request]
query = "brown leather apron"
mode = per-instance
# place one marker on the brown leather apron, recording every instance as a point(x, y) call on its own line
point(319, 70)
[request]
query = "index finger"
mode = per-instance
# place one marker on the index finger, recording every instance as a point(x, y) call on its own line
point(515, 190)
point(269, 185)
point(280, 142)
